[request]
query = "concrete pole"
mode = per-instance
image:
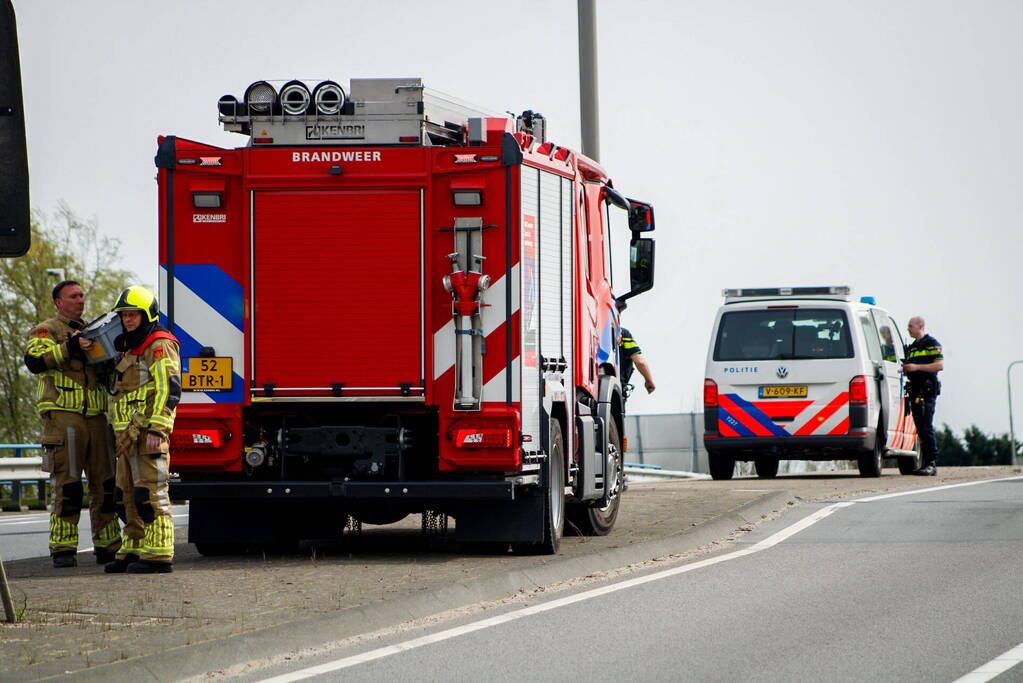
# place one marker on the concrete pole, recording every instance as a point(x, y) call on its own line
point(588, 100)
point(5, 595)
point(1012, 432)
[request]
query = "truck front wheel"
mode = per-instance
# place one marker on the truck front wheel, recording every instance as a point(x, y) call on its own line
point(592, 521)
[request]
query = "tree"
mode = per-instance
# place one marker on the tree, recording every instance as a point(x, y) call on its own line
point(62, 241)
point(974, 447)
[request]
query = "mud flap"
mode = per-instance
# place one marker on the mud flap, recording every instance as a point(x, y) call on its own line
point(264, 521)
point(517, 521)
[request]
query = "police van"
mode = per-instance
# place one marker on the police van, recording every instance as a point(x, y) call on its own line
point(805, 373)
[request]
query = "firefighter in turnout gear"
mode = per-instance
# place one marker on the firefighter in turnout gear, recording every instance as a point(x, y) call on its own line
point(924, 361)
point(146, 388)
point(71, 402)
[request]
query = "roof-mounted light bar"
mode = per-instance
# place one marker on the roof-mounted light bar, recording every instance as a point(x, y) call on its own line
point(789, 291)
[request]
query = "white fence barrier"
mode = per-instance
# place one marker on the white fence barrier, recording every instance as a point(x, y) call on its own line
point(17, 472)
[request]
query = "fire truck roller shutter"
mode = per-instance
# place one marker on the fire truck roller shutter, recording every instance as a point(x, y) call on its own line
point(316, 331)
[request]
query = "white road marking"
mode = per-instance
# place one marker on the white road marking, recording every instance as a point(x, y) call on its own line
point(41, 521)
point(996, 666)
point(770, 541)
point(913, 492)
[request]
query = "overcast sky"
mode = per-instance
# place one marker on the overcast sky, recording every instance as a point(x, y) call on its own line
point(806, 142)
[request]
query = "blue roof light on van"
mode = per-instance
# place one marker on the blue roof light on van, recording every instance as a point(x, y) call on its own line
point(868, 300)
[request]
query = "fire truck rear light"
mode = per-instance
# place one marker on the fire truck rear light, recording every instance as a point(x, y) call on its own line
point(197, 438)
point(467, 197)
point(329, 98)
point(710, 393)
point(263, 141)
point(408, 138)
point(295, 98)
point(465, 158)
point(260, 97)
point(483, 438)
point(858, 391)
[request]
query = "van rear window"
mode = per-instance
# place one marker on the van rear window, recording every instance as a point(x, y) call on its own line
point(783, 334)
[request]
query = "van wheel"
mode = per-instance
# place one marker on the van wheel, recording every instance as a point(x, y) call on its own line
point(592, 521)
point(870, 462)
point(767, 468)
point(721, 467)
point(910, 463)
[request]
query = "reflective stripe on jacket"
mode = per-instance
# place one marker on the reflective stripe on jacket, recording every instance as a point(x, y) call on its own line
point(67, 383)
point(148, 388)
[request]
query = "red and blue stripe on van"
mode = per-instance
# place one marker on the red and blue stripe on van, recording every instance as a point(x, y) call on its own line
point(739, 417)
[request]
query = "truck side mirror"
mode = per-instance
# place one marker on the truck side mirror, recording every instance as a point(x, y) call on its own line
point(15, 235)
point(641, 216)
point(641, 267)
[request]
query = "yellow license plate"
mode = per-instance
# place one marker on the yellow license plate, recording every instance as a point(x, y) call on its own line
point(206, 374)
point(790, 391)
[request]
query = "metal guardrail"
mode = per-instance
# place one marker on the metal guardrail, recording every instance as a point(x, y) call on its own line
point(22, 470)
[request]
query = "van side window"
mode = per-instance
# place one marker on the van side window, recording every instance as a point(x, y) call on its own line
point(870, 332)
point(888, 342)
point(900, 346)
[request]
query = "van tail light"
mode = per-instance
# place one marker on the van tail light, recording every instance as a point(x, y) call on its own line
point(710, 393)
point(858, 391)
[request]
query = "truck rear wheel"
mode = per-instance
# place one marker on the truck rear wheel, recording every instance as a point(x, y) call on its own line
point(554, 500)
point(721, 467)
point(593, 521)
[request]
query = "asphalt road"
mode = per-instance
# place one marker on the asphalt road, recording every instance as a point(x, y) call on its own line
point(25, 535)
point(222, 617)
point(892, 587)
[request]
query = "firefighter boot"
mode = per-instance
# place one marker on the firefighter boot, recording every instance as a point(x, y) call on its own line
point(120, 566)
point(64, 559)
point(928, 470)
point(150, 567)
point(105, 556)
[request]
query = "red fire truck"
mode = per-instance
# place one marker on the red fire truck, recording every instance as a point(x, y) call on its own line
point(391, 302)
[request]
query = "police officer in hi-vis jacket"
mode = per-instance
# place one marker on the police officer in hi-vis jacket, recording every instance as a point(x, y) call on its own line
point(71, 402)
point(146, 388)
point(924, 360)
